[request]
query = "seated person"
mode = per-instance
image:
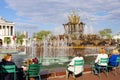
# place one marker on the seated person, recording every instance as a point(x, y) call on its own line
point(30, 61)
point(7, 60)
point(26, 64)
point(102, 54)
point(79, 69)
point(113, 58)
point(35, 60)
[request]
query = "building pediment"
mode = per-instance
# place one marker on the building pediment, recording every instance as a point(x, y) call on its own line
point(3, 20)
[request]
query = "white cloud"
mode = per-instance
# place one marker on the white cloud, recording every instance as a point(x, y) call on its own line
point(55, 8)
point(31, 28)
point(56, 11)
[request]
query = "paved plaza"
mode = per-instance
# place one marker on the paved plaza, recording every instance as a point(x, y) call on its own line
point(89, 76)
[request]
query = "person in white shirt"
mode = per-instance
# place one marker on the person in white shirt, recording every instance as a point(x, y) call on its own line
point(78, 69)
point(97, 60)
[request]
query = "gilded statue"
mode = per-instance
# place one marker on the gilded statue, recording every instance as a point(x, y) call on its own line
point(74, 18)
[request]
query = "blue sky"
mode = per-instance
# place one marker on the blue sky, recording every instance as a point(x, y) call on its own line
point(35, 15)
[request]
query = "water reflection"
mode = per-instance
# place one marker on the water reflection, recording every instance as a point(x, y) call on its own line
point(19, 59)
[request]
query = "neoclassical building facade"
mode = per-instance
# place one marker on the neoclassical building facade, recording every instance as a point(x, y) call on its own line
point(6, 31)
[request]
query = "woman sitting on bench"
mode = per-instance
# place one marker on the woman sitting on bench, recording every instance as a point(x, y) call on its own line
point(7, 60)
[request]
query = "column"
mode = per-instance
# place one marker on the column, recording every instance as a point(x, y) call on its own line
point(76, 28)
point(9, 30)
point(79, 28)
point(71, 28)
point(68, 28)
point(13, 33)
point(5, 30)
point(0, 30)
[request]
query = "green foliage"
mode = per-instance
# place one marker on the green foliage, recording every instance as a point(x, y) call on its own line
point(106, 33)
point(7, 40)
point(20, 38)
point(41, 34)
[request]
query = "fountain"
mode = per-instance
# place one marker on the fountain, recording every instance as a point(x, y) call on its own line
point(60, 50)
point(54, 51)
point(33, 46)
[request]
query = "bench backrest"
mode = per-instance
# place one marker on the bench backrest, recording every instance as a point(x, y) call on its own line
point(34, 70)
point(7, 69)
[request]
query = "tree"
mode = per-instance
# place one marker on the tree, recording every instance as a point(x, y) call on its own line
point(40, 34)
point(7, 40)
point(106, 33)
point(20, 38)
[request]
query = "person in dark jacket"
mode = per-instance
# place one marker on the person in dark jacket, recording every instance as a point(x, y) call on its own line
point(113, 58)
point(7, 60)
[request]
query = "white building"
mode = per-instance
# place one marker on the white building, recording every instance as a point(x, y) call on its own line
point(6, 30)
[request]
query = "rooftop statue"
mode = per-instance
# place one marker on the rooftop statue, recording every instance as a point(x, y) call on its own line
point(75, 19)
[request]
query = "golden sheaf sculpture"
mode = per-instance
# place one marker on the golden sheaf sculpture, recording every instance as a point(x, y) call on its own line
point(74, 18)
